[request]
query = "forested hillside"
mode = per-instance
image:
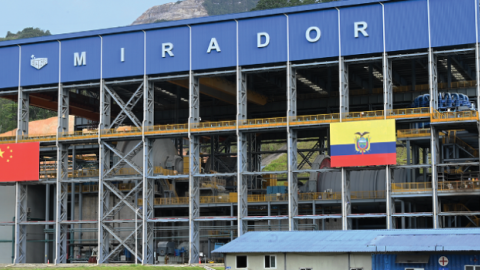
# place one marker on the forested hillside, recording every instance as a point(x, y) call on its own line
point(8, 108)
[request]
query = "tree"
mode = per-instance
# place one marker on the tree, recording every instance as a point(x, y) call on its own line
point(220, 7)
point(269, 4)
point(28, 32)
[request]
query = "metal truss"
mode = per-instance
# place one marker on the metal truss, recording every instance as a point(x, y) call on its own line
point(20, 230)
point(194, 202)
point(343, 76)
point(124, 159)
point(292, 180)
point(63, 109)
point(148, 249)
point(23, 113)
point(387, 84)
point(306, 158)
point(61, 204)
point(433, 80)
point(126, 108)
point(346, 202)
point(435, 156)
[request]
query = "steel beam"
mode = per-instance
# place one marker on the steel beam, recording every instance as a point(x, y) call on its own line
point(346, 202)
point(292, 148)
point(23, 113)
point(61, 209)
point(344, 93)
point(20, 230)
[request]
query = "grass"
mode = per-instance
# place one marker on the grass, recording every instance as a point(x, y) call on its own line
point(121, 267)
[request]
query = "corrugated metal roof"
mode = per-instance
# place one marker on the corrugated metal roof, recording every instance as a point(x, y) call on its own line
point(356, 241)
point(210, 19)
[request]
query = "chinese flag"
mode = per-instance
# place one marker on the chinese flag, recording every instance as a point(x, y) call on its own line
point(19, 162)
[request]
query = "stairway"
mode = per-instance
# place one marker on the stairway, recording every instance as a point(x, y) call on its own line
point(460, 207)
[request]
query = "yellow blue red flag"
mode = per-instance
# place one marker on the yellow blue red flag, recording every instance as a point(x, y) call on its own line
point(363, 143)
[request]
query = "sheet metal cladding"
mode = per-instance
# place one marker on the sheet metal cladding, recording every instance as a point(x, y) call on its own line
point(280, 35)
point(363, 143)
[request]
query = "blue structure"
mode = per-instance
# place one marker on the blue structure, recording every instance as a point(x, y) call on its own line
point(253, 38)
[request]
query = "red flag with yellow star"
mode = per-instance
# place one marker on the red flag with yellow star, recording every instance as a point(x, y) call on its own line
point(19, 162)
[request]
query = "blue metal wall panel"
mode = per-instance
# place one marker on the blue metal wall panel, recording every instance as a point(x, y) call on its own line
point(456, 261)
point(47, 74)
point(92, 49)
point(276, 51)
point(327, 46)
point(406, 25)
point(9, 69)
point(133, 48)
point(226, 35)
point(451, 22)
point(180, 61)
point(372, 15)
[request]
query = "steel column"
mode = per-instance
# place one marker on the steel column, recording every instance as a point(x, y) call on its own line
point(105, 108)
point(387, 85)
point(433, 80)
point(22, 113)
point(346, 205)
point(20, 230)
point(63, 109)
point(194, 185)
point(103, 203)
point(344, 95)
point(242, 153)
point(434, 153)
point(388, 196)
point(62, 204)
point(292, 148)
point(148, 203)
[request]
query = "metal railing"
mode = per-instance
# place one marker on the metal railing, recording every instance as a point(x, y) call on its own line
point(221, 125)
point(410, 133)
point(263, 122)
point(374, 194)
point(412, 187)
point(408, 113)
point(455, 186)
point(175, 128)
point(454, 116)
point(314, 119)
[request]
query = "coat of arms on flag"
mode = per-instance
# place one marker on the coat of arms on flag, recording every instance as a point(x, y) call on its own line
point(38, 63)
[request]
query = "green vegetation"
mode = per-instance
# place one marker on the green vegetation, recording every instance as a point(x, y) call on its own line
point(269, 4)
point(8, 108)
point(220, 7)
point(28, 32)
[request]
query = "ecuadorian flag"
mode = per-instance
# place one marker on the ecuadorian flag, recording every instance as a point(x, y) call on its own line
point(363, 143)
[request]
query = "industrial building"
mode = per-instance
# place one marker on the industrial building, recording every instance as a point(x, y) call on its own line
point(189, 134)
point(368, 250)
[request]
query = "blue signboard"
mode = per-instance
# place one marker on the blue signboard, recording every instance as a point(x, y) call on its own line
point(39, 63)
point(262, 40)
point(313, 34)
point(123, 55)
point(214, 45)
point(81, 59)
point(9, 71)
point(361, 30)
point(168, 50)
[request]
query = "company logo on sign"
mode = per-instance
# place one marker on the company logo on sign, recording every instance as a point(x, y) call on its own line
point(38, 63)
point(362, 144)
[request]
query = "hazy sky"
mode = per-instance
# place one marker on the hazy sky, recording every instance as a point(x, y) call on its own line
point(65, 16)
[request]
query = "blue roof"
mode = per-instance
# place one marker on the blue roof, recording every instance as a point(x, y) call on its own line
point(210, 19)
point(356, 241)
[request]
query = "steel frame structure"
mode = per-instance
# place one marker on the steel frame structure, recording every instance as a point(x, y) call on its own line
point(145, 177)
